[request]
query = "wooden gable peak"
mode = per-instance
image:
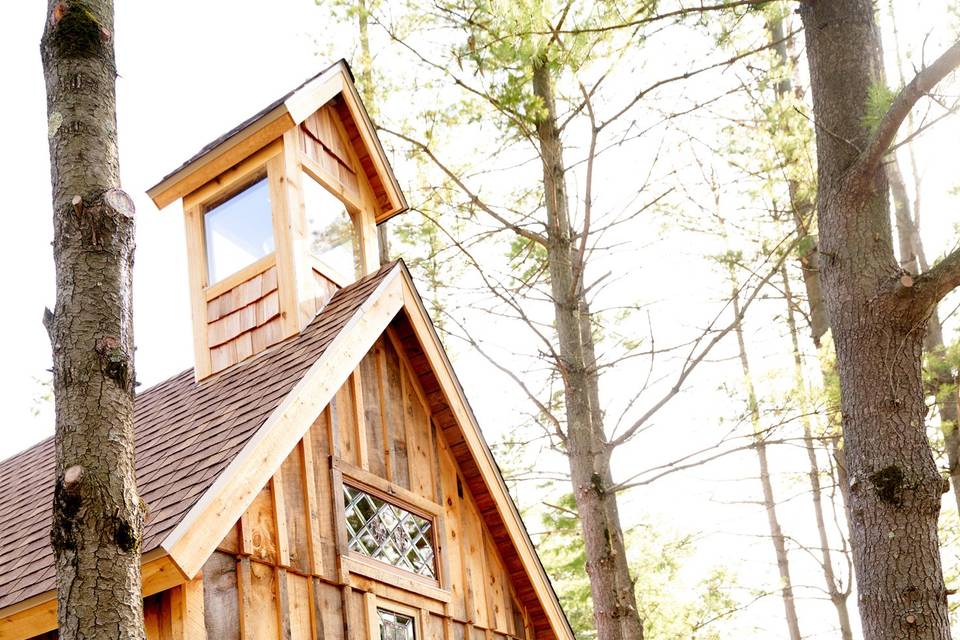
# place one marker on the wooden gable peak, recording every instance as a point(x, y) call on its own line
point(394, 302)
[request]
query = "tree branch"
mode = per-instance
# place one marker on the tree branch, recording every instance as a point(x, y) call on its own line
point(930, 287)
point(923, 82)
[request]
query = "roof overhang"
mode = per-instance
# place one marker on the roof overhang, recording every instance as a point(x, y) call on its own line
point(38, 614)
point(269, 124)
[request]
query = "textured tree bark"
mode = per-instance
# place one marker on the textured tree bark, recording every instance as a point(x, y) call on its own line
point(769, 501)
point(894, 486)
point(837, 596)
point(614, 601)
point(914, 260)
point(97, 515)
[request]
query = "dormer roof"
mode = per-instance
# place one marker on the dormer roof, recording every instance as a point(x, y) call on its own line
point(334, 84)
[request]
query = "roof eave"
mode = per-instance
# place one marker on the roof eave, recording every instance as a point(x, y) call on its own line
point(285, 114)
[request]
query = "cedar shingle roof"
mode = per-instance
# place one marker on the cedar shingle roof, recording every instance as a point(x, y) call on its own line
point(186, 434)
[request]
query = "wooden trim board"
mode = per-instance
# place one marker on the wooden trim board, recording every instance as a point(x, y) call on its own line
point(205, 525)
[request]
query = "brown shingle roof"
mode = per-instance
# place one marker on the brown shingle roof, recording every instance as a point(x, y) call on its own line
point(186, 435)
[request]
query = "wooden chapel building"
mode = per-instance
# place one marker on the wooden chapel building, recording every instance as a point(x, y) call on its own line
point(319, 473)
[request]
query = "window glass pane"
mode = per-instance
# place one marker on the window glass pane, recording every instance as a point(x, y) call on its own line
point(388, 533)
point(395, 626)
point(332, 236)
point(238, 231)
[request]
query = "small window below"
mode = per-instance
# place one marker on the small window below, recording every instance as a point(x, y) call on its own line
point(396, 626)
point(333, 238)
point(388, 533)
point(238, 231)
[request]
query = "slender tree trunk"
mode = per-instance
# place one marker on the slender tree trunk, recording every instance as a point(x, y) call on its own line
point(801, 200)
point(913, 260)
point(97, 515)
point(369, 101)
point(769, 501)
point(614, 601)
point(837, 596)
point(895, 488)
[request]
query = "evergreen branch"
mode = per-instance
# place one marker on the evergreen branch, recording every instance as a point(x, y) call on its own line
point(923, 82)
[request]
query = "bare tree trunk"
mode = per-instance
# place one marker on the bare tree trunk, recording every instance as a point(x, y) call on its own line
point(895, 488)
point(769, 501)
point(614, 601)
point(913, 260)
point(369, 101)
point(837, 596)
point(97, 515)
point(800, 201)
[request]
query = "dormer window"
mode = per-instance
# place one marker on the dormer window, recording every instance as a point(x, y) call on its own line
point(332, 234)
point(238, 231)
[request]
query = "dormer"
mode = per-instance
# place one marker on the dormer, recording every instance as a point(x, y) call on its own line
point(280, 212)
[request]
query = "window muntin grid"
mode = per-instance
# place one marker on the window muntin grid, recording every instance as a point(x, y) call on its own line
point(388, 533)
point(396, 626)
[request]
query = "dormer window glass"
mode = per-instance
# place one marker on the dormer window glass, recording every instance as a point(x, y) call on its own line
point(238, 231)
point(332, 236)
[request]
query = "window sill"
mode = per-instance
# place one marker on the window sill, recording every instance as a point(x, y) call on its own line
point(252, 270)
point(382, 572)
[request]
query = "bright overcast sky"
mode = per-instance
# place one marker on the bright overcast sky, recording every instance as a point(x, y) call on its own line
point(190, 70)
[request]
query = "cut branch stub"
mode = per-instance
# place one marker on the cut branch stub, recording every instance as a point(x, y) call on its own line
point(75, 31)
point(114, 361)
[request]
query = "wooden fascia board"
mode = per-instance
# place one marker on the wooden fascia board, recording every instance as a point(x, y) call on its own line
point(38, 614)
point(470, 429)
point(208, 521)
point(258, 134)
point(305, 101)
point(398, 203)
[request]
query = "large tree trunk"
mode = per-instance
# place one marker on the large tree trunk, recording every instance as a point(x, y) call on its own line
point(895, 488)
point(614, 600)
point(766, 485)
point(837, 596)
point(97, 515)
point(944, 382)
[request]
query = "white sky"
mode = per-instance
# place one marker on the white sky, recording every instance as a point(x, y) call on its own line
point(190, 70)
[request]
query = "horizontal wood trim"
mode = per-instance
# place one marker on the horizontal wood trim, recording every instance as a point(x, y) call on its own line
point(391, 492)
point(382, 572)
point(205, 525)
point(247, 170)
point(225, 155)
point(252, 270)
point(39, 615)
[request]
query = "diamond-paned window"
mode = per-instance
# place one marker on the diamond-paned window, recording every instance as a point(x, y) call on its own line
point(388, 533)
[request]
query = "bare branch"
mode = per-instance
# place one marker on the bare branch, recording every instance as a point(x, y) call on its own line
point(474, 198)
point(922, 83)
point(930, 287)
point(694, 360)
